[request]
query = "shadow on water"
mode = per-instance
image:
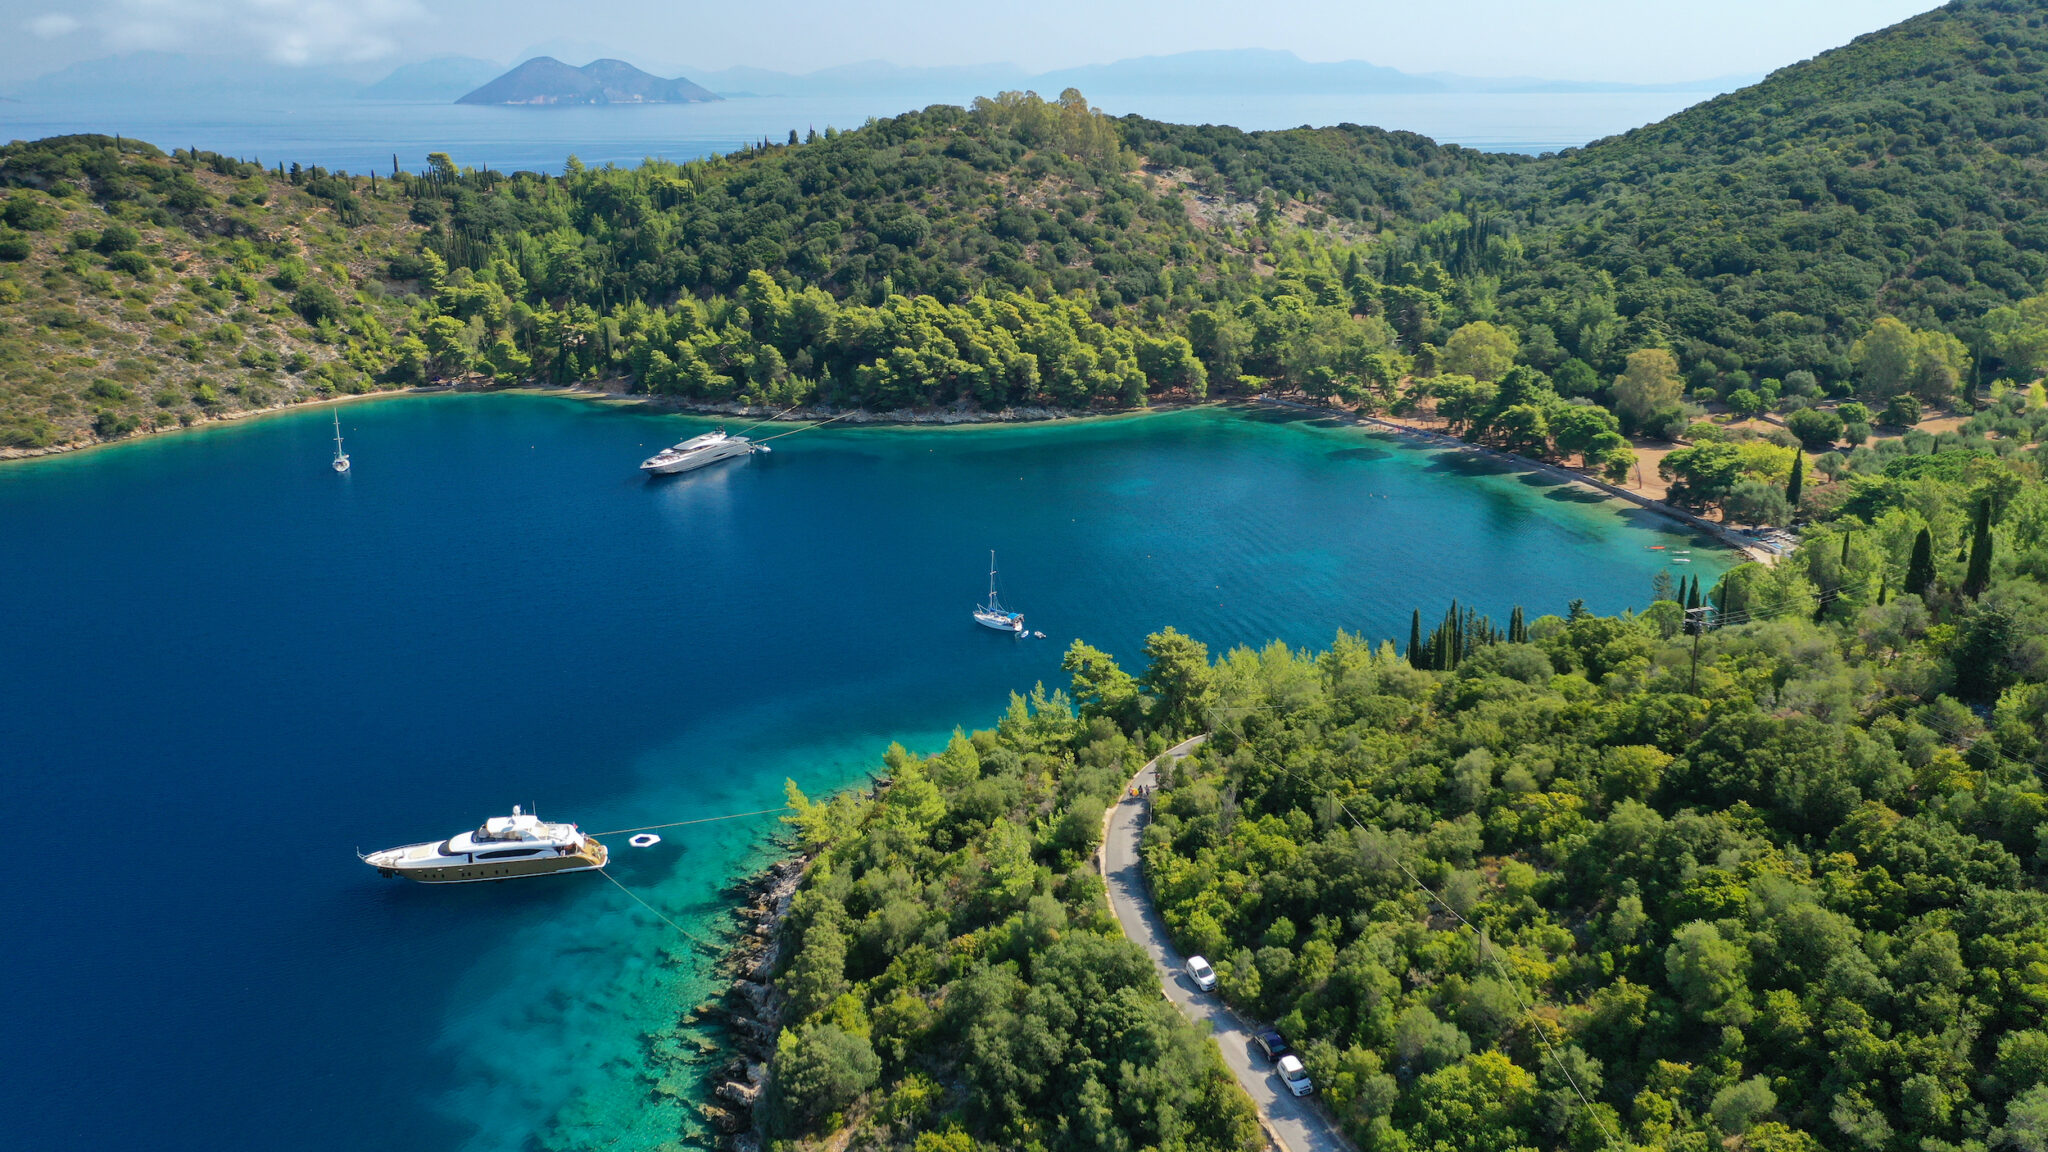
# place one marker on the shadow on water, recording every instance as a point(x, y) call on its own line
point(1465, 463)
point(1262, 414)
point(1565, 493)
point(1358, 454)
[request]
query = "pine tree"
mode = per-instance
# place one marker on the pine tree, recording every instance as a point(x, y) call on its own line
point(1415, 658)
point(1920, 569)
point(1978, 577)
point(1796, 487)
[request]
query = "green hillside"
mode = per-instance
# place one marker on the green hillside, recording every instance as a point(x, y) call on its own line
point(140, 292)
point(1038, 253)
point(1765, 230)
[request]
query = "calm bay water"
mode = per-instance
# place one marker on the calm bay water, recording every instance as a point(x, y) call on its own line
point(363, 136)
point(228, 667)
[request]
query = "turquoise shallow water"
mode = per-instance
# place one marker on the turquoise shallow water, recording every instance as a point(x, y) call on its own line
point(228, 668)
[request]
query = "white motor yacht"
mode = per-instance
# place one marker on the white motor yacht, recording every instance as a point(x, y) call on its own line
point(696, 452)
point(504, 848)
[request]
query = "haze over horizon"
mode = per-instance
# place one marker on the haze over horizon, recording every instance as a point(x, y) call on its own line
point(1589, 41)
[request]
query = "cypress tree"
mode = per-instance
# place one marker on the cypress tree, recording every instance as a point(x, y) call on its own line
point(1884, 589)
point(1518, 632)
point(1920, 569)
point(1796, 487)
point(1978, 577)
point(1415, 639)
point(1846, 537)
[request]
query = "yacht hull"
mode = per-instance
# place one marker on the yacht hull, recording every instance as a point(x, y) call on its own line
point(691, 462)
point(999, 623)
point(466, 869)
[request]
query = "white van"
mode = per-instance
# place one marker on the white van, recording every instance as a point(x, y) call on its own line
point(1295, 1076)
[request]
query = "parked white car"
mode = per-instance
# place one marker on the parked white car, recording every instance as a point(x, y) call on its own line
point(1203, 975)
point(1295, 1076)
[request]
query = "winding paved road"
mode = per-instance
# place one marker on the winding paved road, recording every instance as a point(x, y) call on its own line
point(1295, 1125)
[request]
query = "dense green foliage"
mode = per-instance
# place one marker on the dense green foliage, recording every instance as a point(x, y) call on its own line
point(1794, 893)
point(954, 978)
point(1797, 894)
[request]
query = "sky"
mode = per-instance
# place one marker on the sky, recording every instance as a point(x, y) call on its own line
point(1636, 41)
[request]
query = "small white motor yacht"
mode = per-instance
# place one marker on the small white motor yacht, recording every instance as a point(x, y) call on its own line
point(698, 451)
point(504, 848)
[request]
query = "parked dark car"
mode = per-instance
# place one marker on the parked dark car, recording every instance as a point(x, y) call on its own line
point(1273, 1045)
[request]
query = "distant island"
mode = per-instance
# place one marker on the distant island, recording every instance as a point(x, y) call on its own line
point(546, 80)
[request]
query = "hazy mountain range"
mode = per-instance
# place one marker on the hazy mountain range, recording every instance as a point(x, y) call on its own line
point(154, 75)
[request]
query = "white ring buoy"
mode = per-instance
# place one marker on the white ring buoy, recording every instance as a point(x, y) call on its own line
point(645, 840)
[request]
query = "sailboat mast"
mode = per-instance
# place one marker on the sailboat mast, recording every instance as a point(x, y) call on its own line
point(991, 578)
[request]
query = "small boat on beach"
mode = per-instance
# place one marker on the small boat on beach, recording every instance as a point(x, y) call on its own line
point(503, 848)
point(993, 614)
point(340, 457)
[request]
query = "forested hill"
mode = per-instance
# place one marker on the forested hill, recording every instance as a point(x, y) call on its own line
point(1765, 229)
point(1034, 252)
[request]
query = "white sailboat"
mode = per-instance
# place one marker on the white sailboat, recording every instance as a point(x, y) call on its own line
point(993, 614)
point(340, 457)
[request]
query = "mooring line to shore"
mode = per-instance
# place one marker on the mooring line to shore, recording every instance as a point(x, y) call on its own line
point(687, 934)
point(703, 820)
point(805, 428)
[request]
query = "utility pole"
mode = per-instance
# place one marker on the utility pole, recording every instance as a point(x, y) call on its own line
point(1696, 623)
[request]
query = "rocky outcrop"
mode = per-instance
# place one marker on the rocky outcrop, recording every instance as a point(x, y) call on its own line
point(752, 1006)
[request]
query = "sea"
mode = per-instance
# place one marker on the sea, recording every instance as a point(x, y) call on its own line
point(365, 136)
point(229, 669)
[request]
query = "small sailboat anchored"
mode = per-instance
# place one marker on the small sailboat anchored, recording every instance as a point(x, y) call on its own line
point(993, 614)
point(340, 457)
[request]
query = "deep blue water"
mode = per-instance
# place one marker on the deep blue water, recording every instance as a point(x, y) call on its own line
point(363, 136)
point(227, 668)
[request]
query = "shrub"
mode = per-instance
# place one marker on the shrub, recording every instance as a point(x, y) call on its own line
point(15, 247)
point(117, 238)
point(1815, 427)
point(1901, 412)
point(133, 263)
point(820, 1069)
point(316, 302)
point(1755, 502)
point(30, 213)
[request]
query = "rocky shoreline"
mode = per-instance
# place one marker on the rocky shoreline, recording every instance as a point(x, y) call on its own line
point(751, 1008)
